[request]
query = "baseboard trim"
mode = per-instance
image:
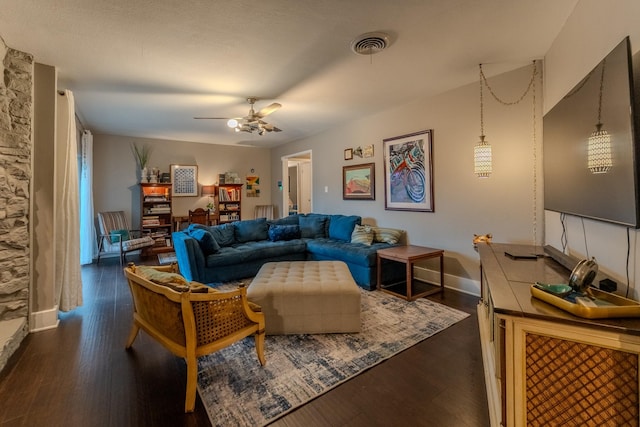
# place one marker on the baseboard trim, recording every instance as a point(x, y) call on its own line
point(460, 284)
point(43, 320)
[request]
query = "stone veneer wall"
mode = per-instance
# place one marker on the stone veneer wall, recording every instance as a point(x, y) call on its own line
point(16, 88)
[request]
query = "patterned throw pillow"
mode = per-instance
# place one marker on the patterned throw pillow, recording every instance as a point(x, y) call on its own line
point(119, 235)
point(386, 235)
point(362, 234)
point(284, 232)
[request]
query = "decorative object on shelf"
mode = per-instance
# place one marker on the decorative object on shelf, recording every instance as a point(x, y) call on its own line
point(481, 238)
point(185, 180)
point(367, 151)
point(348, 154)
point(253, 186)
point(209, 191)
point(358, 182)
point(599, 158)
point(357, 152)
point(153, 178)
point(142, 154)
point(165, 178)
point(408, 169)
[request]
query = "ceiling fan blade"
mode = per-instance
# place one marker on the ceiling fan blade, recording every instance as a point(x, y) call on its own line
point(269, 109)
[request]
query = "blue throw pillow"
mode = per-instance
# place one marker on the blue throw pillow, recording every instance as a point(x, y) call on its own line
point(251, 230)
point(284, 232)
point(287, 220)
point(124, 236)
point(206, 241)
point(312, 226)
point(224, 234)
point(341, 226)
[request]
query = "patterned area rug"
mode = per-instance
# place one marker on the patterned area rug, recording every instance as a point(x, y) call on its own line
point(237, 391)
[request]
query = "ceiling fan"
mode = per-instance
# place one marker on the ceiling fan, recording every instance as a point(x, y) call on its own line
point(252, 121)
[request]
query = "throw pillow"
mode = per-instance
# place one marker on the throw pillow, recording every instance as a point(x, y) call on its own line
point(312, 226)
point(287, 220)
point(173, 281)
point(284, 232)
point(224, 234)
point(251, 230)
point(386, 235)
point(362, 234)
point(119, 235)
point(206, 241)
point(341, 227)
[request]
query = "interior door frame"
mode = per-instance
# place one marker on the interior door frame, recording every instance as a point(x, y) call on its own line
point(302, 155)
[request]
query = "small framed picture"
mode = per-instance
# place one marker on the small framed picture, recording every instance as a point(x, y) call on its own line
point(185, 180)
point(358, 182)
point(348, 154)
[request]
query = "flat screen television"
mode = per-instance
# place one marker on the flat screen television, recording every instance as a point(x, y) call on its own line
point(569, 185)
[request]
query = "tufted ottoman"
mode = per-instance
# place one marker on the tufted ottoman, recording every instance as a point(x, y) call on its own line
point(306, 297)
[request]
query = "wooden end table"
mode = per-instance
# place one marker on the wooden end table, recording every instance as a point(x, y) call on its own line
point(408, 255)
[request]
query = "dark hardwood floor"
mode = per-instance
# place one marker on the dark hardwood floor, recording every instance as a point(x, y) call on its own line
point(79, 374)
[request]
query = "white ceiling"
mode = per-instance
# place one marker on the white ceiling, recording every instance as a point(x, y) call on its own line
point(145, 68)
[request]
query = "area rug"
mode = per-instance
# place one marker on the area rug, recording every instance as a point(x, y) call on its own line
point(237, 391)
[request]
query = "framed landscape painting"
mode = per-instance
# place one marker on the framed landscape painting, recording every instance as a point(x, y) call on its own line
point(185, 180)
point(408, 172)
point(358, 182)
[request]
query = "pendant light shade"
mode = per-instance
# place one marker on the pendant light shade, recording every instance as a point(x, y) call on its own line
point(482, 159)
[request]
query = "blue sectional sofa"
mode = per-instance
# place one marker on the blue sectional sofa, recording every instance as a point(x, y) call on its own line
point(237, 250)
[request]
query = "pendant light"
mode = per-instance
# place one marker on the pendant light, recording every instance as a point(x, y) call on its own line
point(599, 158)
point(482, 156)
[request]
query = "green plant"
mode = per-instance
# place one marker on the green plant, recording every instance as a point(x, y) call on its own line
point(142, 154)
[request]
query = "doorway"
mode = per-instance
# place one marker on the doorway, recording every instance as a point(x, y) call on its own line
point(297, 183)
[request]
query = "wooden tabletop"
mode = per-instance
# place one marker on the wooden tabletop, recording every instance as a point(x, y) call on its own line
point(409, 252)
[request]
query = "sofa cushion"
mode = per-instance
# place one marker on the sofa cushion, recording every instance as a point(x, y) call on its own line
point(251, 230)
point(241, 253)
point(313, 225)
point(344, 251)
point(284, 232)
point(362, 234)
point(206, 241)
point(386, 235)
point(224, 234)
point(341, 226)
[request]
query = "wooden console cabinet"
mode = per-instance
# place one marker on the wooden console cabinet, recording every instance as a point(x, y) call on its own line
point(544, 366)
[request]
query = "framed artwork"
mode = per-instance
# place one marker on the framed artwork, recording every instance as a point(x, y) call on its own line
point(408, 172)
point(358, 182)
point(348, 154)
point(185, 180)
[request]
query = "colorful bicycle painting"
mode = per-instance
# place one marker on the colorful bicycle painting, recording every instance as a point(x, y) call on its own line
point(408, 181)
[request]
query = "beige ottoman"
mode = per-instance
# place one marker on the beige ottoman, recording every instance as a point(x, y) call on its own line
point(307, 297)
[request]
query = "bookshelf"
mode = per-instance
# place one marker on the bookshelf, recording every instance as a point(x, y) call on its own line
point(156, 218)
point(229, 202)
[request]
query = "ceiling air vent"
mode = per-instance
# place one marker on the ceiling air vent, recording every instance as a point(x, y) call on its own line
point(370, 43)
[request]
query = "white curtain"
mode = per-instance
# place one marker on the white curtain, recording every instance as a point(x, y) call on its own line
point(88, 243)
point(68, 284)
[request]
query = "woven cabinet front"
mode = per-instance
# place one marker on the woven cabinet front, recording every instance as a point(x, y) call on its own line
point(570, 383)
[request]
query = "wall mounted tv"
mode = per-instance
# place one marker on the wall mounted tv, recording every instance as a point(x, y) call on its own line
point(569, 186)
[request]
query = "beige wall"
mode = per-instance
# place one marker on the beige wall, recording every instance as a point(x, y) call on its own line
point(464, 205)
point(116, 174)
point(593, 29)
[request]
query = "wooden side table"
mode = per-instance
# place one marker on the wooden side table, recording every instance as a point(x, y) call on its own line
point(408, 255)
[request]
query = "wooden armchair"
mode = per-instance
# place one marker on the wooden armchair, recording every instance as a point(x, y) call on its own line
point(189, 319)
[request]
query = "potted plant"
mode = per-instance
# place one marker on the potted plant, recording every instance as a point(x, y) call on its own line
point(142, 154)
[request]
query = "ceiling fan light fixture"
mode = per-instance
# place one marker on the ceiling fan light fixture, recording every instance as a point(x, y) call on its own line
point(370, 43)
point(232, 123)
